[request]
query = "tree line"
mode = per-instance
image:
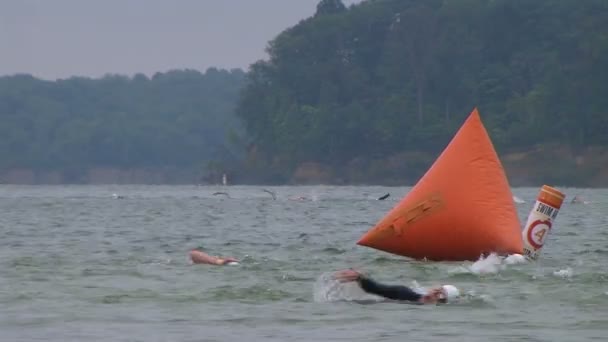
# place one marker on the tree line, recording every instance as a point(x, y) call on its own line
point(388, 76)
point(382, 85)
point(182, 118)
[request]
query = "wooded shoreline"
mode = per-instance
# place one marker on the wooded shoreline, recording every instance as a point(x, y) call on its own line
point(552, 164)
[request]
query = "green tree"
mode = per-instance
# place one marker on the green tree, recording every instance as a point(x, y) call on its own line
point(330, 7)
point(384, 77)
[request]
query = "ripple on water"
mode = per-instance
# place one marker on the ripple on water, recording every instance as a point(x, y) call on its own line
point(78, 265)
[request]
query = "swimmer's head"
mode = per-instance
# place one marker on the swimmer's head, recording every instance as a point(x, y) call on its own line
point(449, 293)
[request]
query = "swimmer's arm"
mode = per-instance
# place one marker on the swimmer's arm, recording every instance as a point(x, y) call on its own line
point(394, 292)
point(199, 257)
point(224, 261)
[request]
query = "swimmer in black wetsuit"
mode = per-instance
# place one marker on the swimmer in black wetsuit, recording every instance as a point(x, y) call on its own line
point(398, 292)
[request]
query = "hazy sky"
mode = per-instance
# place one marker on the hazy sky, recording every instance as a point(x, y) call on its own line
point(61, 38)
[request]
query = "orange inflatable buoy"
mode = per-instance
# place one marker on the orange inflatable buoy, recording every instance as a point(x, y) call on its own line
point(461, 209)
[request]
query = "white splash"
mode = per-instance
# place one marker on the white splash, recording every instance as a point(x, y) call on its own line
point(515, 259)
point(518, 200)
point(491, 264)
point(328, 289)
point(565, 273)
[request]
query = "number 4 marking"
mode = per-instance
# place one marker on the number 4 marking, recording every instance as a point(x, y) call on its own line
point(540, 234)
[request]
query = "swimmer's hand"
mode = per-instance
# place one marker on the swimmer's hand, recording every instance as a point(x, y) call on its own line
point(224, 261)
point(348, 276)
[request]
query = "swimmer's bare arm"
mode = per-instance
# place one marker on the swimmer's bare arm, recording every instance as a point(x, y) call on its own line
point(199, 257)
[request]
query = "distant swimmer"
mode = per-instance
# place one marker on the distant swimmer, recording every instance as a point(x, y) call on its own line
point(383, 197)
point(221, 193)
point(578, 200)
point(274, 196)
point(441, 294)
point(199, 257)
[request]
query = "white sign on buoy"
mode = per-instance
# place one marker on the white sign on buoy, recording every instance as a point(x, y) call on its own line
point(540, 220)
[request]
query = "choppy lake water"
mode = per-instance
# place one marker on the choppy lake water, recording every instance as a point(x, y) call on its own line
point(77, 264)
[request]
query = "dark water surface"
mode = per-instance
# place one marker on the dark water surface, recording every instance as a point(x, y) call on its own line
point(76, 264)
